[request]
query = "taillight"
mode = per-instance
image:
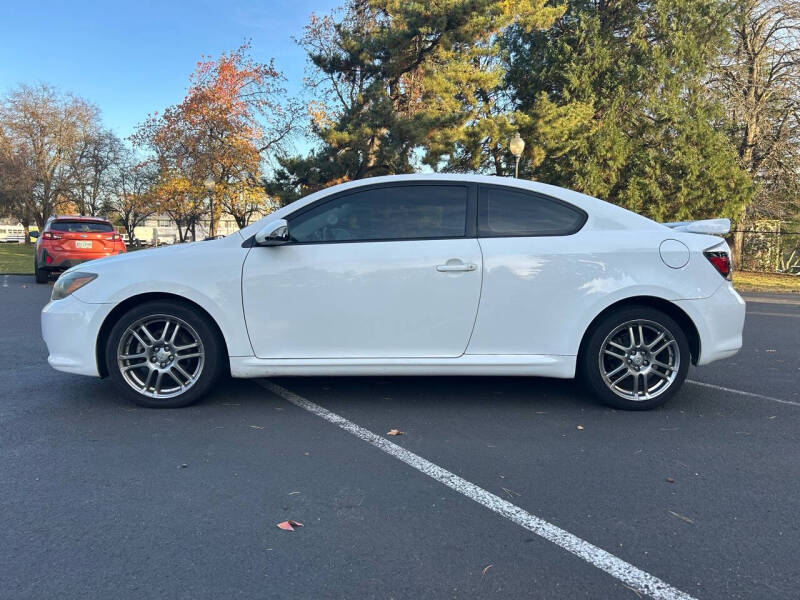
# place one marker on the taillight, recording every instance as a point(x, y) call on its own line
point(719, 257)
point(115, 237)
point(49, 235)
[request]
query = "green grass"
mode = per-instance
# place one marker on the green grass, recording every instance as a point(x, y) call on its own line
point(16, 258)
point(750, 281)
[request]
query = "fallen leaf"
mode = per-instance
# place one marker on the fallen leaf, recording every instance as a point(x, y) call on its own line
point(674, 514)
point(633, 590)
point(486, 568)
point(289, 525)
point(255, 427)
point(395, 432)
point(580, 428)
point(293, 493)
point(670, 480)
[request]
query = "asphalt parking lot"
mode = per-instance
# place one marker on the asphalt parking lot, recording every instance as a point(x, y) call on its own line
point(101, 499)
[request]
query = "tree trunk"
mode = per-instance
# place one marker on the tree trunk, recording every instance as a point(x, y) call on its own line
point(738, 239)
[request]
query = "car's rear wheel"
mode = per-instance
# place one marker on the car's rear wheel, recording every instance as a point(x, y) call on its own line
point(163, 355)
point(636, 358)
point(41, 275)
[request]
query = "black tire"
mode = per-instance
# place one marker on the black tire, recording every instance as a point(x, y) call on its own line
point(211, 346)
point(592, 368)
point(41, 275)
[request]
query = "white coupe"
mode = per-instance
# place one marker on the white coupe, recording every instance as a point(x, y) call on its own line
point(410, 275)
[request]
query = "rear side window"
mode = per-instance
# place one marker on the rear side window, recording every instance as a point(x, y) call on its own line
point(503, 212)
point(81, 226)
point(388, 213)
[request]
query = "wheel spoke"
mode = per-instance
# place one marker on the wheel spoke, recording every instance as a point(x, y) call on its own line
point(614, 354)
point(617, 346)
point(150, 374)
point(175, 377)
point(617, 370)
point(163, 337)
point(174, 333)
point(664, 347)
point(136, 366)
point(185, 356)
point(621, 378)
point(633, 337)
point(139, 339)
point(641, 335)
point(132, 356)
point(182, 371)
point(655, 341)
point(636, 386)
point(658, 363)
point(157, 386)
point(186, 347)
point(148, 334)
point(660, 375)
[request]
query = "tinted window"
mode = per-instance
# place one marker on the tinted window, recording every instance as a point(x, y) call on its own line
point(81, 226)
point(390, 213)
point(506, 212)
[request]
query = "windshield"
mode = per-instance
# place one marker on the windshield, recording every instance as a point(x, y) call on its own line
point(81, 226)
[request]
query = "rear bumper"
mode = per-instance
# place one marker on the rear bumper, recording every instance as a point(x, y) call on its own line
point(64, 262)
point(719, 320)
point(70, 329)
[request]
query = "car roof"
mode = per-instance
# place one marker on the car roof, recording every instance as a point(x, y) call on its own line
point(601, 213)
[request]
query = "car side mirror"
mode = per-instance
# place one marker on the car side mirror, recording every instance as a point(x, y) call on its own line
point(275, 233)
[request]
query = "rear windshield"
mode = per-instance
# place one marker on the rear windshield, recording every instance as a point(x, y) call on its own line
point(81, 226)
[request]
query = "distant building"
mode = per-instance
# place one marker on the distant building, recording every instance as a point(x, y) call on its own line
point(160, 228)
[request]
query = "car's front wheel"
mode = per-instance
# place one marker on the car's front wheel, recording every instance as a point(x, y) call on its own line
point(163, 354)
point(636, 358)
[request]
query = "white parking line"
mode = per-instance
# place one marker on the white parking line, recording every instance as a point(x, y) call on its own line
point(631, 576)
point(742, 392)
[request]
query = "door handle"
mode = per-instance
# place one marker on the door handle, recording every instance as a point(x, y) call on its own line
point(452, 267)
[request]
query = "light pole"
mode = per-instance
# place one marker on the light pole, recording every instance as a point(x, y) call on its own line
point(209, 185)
point(516, 145)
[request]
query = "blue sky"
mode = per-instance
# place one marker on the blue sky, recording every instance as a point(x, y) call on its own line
point(131, 58)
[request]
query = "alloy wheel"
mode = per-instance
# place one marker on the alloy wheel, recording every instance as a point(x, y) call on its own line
point(639, 360)
point(160, 356)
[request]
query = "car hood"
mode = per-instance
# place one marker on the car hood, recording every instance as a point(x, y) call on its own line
point(163, 254)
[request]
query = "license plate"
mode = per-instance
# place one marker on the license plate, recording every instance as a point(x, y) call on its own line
point(82, 244)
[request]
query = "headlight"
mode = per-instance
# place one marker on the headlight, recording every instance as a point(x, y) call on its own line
point(70, 282)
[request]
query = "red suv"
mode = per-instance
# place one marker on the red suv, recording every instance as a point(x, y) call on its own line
point(68, 241)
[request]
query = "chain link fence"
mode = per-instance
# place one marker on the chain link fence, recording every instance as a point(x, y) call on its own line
point(769, 246)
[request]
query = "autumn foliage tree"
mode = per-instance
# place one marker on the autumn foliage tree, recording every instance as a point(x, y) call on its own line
point(211, 148)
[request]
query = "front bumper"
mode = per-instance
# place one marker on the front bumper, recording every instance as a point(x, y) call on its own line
point(70, 329)
point(719, 320)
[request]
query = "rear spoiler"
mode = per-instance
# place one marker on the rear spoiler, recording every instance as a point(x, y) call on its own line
point(710, 226)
